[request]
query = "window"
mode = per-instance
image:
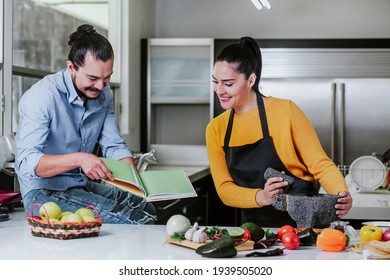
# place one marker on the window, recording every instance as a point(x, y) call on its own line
point(41, 29)
point(35, 40)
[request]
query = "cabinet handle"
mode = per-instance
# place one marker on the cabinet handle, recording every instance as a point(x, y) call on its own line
point(333, 126)
point(342, 122)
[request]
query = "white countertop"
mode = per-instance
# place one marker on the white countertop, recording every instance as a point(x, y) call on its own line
point(120, 242)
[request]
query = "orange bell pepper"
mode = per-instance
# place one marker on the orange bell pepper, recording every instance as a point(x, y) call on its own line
point(368, 233)
point(331, 240)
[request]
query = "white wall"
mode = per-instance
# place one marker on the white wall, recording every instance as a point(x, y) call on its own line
point(288, 19)
point(305, 19)
point(141, 22)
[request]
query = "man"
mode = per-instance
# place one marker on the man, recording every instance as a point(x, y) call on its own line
point(62, 117)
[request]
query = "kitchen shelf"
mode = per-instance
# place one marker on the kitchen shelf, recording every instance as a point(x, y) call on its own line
point(180, 100)
point(177, 92)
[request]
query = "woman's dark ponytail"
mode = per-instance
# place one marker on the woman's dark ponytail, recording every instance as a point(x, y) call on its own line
point(246, 55)
point(252, 44)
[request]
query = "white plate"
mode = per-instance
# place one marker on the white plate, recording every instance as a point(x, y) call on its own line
point(383, 225)
point(368, 172)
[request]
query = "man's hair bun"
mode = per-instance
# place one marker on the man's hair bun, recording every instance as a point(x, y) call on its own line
point(82, 30)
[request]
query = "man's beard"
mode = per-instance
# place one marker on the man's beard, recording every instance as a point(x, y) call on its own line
point(82, 95)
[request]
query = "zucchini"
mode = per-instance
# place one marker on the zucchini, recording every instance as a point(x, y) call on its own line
point(224, 247)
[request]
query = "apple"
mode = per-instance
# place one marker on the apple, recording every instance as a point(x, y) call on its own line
point(85, 212)
point(50, 210)
point(73, 218)
point(386, 235)
point(53, 220)
point(65, 213)
point(88, 218)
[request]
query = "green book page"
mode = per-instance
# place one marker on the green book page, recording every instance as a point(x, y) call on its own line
point(166, 182)
point(123, 171)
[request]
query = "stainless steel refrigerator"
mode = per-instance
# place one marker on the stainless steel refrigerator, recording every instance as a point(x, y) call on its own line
point(350, 116)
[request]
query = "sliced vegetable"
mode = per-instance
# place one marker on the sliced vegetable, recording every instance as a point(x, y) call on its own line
point(223, 247)
point(216, 232)
point(247, 235)
point(236, 232)
point(369, 233)
point(256, 231)
point(331, 240)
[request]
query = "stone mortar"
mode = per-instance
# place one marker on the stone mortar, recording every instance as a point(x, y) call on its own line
point(309, 211)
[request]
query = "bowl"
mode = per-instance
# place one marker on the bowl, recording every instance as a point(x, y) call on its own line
point(309, 211)
point(368, 172)
point(382, 224)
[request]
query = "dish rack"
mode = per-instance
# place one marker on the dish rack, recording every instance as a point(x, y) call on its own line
point(366, 175)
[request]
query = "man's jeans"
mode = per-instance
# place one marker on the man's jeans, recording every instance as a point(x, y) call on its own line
point(114, 206)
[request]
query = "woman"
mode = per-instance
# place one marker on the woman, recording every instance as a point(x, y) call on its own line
point(256, 132)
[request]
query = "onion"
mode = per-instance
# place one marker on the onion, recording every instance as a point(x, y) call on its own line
point(386, 235)
point(177, 224)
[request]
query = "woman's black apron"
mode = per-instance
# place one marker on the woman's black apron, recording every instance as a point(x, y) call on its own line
point(247, 165)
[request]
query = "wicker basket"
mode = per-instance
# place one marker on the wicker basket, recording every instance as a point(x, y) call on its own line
point(68, 230)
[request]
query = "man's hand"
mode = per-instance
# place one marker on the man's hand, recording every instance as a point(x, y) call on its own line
point(94, 167)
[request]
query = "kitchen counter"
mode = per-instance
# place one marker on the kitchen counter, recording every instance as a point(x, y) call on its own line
point(194, 173)
point(120, 242)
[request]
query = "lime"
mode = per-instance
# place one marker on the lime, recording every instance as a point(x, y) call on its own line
point(236, 232)
point(268, 233)
point(256, 231)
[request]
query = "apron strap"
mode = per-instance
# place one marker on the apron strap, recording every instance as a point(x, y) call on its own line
point(263, 116)
point(263, 120)
point(229, 129)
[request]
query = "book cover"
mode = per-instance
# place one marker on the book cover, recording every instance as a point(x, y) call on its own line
point(154, 185)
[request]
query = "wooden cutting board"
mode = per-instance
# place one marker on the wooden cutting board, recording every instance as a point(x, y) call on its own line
point(246, 246)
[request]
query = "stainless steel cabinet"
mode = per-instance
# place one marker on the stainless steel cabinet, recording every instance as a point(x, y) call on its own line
point(350, 116)
point(178, 91)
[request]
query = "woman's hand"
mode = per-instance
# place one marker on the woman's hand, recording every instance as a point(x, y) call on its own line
point(273, 187)
point(343, 204)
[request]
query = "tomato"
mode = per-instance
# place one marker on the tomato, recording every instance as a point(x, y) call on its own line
point(290, 240)
point(247, 235)
point(284, 229)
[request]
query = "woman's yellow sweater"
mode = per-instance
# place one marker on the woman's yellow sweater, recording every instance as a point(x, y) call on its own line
point(295, 141)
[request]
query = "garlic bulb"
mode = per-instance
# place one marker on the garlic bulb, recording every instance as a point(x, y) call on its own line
point(190, 232)
point(200, 236)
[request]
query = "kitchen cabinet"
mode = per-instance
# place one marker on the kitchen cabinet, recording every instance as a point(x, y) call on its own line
point(195, 209)
point(176, 91)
